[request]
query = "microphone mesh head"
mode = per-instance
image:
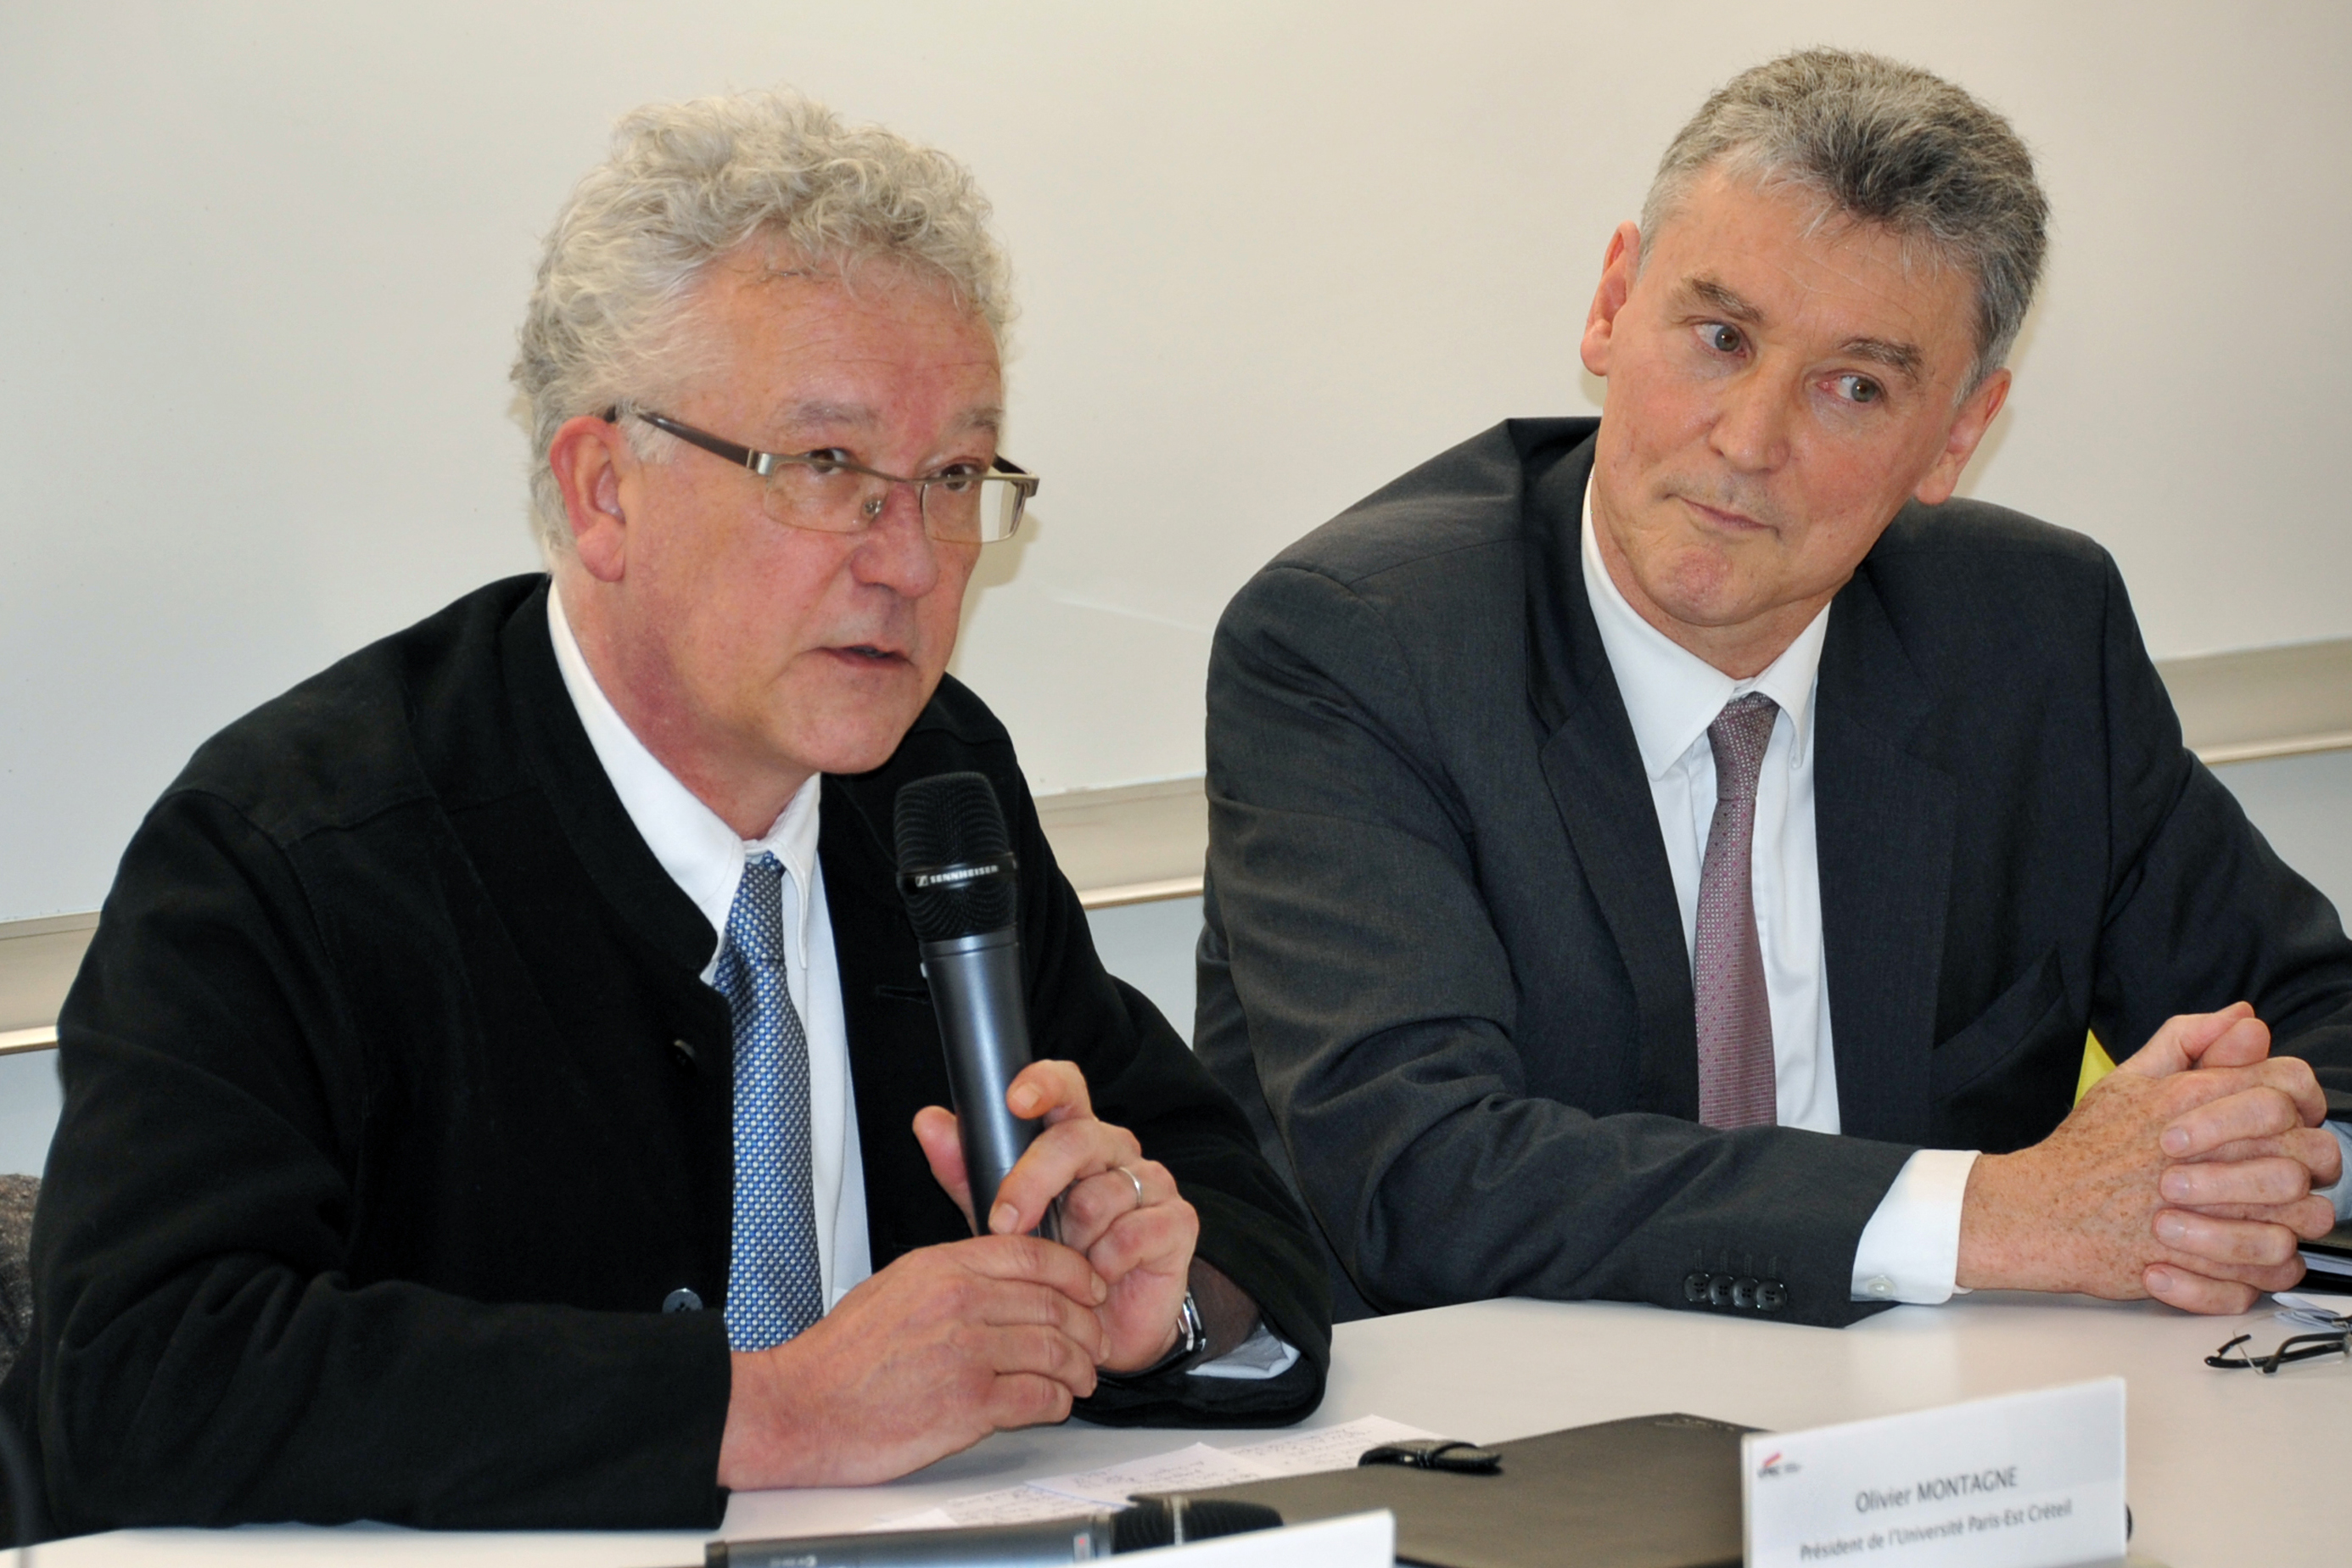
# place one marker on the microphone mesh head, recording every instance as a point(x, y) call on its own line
point(1151, 1522)
point(952, 820)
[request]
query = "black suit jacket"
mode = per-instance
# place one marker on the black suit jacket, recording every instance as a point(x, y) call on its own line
point(1444, 971)
point(394, 1108)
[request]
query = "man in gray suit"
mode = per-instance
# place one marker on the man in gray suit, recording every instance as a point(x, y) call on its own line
point(1679, 859)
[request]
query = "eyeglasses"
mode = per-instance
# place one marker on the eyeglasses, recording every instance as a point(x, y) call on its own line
point(2302, 1347)
point(962, 505)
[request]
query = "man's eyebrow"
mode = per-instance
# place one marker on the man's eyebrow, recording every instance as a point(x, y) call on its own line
point(986, 417)
point(1903, 359)
point(816, 411)
point(1707, 291)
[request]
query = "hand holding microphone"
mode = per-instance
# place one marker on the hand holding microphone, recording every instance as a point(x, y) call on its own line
point(949, 1343)
point(1025, 1133)
point(1120, 1210)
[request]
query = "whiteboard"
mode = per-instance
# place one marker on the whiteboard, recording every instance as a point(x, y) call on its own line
point(260, 267)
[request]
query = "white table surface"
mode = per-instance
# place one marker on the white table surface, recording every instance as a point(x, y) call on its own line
point(2226, 1467)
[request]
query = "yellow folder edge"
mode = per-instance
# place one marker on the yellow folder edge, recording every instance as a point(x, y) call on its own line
point(2096, 1065)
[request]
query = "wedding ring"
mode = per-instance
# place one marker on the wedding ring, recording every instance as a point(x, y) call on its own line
point(1133, 1180)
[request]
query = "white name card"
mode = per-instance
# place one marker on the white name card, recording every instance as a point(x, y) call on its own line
point(2026, 1480)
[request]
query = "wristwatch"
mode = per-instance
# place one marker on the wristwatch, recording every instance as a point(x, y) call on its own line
point(1191, 1346)
point(1191, 1334)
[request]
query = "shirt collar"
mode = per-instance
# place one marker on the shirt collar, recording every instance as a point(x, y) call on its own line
point(695, 846)
point(1671, 694)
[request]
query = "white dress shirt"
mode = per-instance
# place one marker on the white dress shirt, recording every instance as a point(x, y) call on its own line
point(705, 858)
point(1911, 1248)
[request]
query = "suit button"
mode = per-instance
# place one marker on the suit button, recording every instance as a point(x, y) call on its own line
point(1695, 1287)
point(1719, 1290)
point(681, 1301)
point(1743, 1294)
point(1770, 1295)
point(681, 1056)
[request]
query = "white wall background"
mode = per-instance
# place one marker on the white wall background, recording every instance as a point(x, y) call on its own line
point(260, 266)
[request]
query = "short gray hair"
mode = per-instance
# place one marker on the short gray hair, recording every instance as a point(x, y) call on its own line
point(1884, 143)
point(687, 184)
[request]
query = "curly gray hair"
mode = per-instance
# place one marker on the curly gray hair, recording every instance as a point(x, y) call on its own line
point(687, 184)
point(1884, 143)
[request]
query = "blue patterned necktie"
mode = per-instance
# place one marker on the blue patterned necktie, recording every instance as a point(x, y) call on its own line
point(774, 1286)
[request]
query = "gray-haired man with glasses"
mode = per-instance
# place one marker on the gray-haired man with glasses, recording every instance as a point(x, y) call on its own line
point(536, 1097)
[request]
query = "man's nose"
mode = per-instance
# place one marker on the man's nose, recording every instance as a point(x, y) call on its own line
point(1751, 422)
point(894, 551)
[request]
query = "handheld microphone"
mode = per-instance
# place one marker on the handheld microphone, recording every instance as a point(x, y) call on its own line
point(957, 873)
point(1154, 1521)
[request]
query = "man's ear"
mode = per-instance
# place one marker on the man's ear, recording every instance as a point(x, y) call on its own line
point(1968, 426)
point(1619, 265)
point(590, 457)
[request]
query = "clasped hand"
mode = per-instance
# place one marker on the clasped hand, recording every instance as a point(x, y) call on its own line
point(949, 1343)
point(2189, 1173)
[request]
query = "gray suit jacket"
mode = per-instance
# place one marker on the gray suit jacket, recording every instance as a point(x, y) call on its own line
point(1445, 971)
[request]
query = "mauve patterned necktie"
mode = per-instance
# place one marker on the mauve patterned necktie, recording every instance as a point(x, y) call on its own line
point(1734, 1013)
point(774, 1281)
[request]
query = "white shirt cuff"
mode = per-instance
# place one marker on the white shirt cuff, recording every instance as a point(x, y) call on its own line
point(2340, 1194)
point(1910, 1250)
point(1263, 1354)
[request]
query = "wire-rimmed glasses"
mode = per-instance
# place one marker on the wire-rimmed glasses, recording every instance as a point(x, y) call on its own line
point(960, 505)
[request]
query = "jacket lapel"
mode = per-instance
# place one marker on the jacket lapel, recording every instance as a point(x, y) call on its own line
point(1595, 772)
point(1884, 821)
point(650, 906)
